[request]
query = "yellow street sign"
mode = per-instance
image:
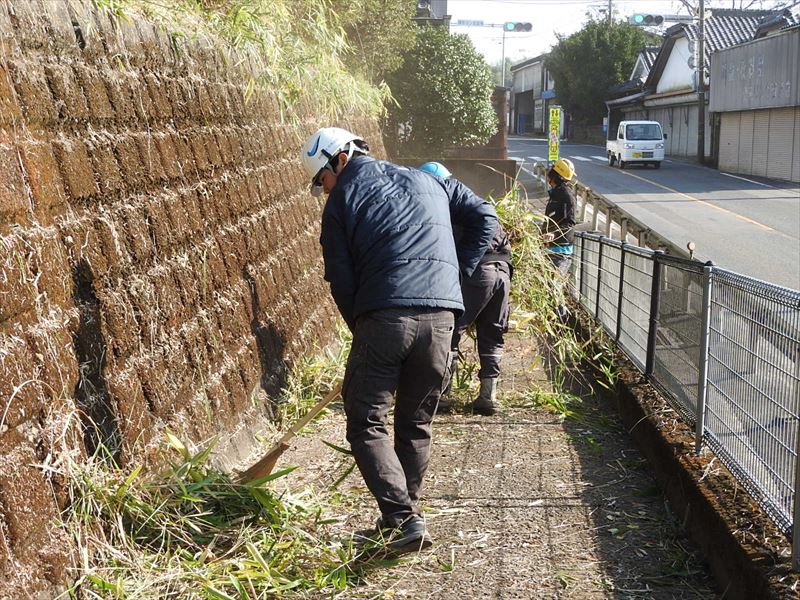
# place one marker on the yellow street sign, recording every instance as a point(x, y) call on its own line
point(555, 126)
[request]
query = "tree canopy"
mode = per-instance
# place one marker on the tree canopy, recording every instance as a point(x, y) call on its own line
point(587, 63)
point(443, 96)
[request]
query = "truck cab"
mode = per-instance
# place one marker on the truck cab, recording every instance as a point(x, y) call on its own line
point(637, 142)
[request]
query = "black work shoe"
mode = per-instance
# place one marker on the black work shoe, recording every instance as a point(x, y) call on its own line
point(387, 542)
point(411, 536)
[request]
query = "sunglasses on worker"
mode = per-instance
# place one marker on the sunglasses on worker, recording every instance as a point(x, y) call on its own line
point(317, 181)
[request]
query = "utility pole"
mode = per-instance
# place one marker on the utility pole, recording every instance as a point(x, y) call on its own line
point(701, 84)
point(503, 59)
point(610, 9)
point(508, 27)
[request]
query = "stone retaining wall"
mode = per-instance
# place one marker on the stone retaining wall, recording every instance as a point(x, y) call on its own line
point(159, 256)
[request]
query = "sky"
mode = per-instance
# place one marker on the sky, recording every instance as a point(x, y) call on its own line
point(547, 18)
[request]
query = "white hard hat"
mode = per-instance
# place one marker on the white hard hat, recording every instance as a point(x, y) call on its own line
point(324, 145)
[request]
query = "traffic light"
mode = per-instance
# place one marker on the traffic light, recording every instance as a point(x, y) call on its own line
point(509, 26)
point(646, 20)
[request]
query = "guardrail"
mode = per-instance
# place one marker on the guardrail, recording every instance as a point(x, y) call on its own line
point(723, 348)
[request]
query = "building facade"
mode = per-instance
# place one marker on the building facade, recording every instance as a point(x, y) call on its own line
point(669, 95)
point(755, 90)
point(532, 93)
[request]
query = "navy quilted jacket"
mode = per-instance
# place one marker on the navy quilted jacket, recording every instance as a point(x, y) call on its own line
point(387, 238)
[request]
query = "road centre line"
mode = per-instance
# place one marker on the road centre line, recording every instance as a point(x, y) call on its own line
point(704, 202)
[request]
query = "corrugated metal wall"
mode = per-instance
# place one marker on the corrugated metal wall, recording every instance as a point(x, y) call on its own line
point(761, 142)
point(796, 151)
point(781, 136)
point(680, 124)
point(729, 142)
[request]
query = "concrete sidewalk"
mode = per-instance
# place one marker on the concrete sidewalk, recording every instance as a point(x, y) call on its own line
point(524, 505)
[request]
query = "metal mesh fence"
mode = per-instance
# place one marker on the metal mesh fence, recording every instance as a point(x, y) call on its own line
point(752, 383)
point(637, 283)
point(608, 286)
point(590, 254)
point(680, 325)
point(753, 397)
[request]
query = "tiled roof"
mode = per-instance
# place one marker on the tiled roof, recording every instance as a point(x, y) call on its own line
point(779, 21)
point(648, 54)
point(728, 27)
point(625, 87)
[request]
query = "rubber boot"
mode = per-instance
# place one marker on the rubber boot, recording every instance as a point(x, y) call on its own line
point(485, 402)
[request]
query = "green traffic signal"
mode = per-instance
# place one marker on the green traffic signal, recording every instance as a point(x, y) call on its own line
point(645, 19)
point(509, 26)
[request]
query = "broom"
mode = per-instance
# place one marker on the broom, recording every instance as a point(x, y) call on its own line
point(265, 465)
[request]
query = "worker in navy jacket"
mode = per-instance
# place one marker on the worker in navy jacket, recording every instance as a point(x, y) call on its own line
point(394, 274)
point(486, 305)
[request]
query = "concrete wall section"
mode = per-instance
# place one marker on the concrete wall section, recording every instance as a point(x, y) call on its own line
point(159, 262)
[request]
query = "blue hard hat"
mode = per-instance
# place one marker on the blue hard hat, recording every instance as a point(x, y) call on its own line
point(436, 168)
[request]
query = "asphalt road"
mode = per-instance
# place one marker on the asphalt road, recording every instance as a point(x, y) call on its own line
point(742, 224)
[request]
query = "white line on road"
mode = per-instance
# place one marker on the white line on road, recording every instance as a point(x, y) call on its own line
point(536, 158)
point(748, 180)
point(600, 158)
point(583, 158)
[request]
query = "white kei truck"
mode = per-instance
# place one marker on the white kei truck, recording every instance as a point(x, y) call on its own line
point(637, 142)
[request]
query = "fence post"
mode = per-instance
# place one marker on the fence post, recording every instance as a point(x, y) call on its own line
point(623, 230)
point(796, 520)
point(582, 271)
point(599, 272)
point(595, 211)
point(609, 221)
point(702, 371)
point(655, 302)
point(620, 290)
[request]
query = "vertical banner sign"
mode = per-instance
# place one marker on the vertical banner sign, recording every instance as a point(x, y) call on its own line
point(555, 126)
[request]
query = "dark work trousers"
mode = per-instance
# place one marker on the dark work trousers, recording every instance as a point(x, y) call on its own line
point(403, 351)
point(562, 264)
point(485, 296)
